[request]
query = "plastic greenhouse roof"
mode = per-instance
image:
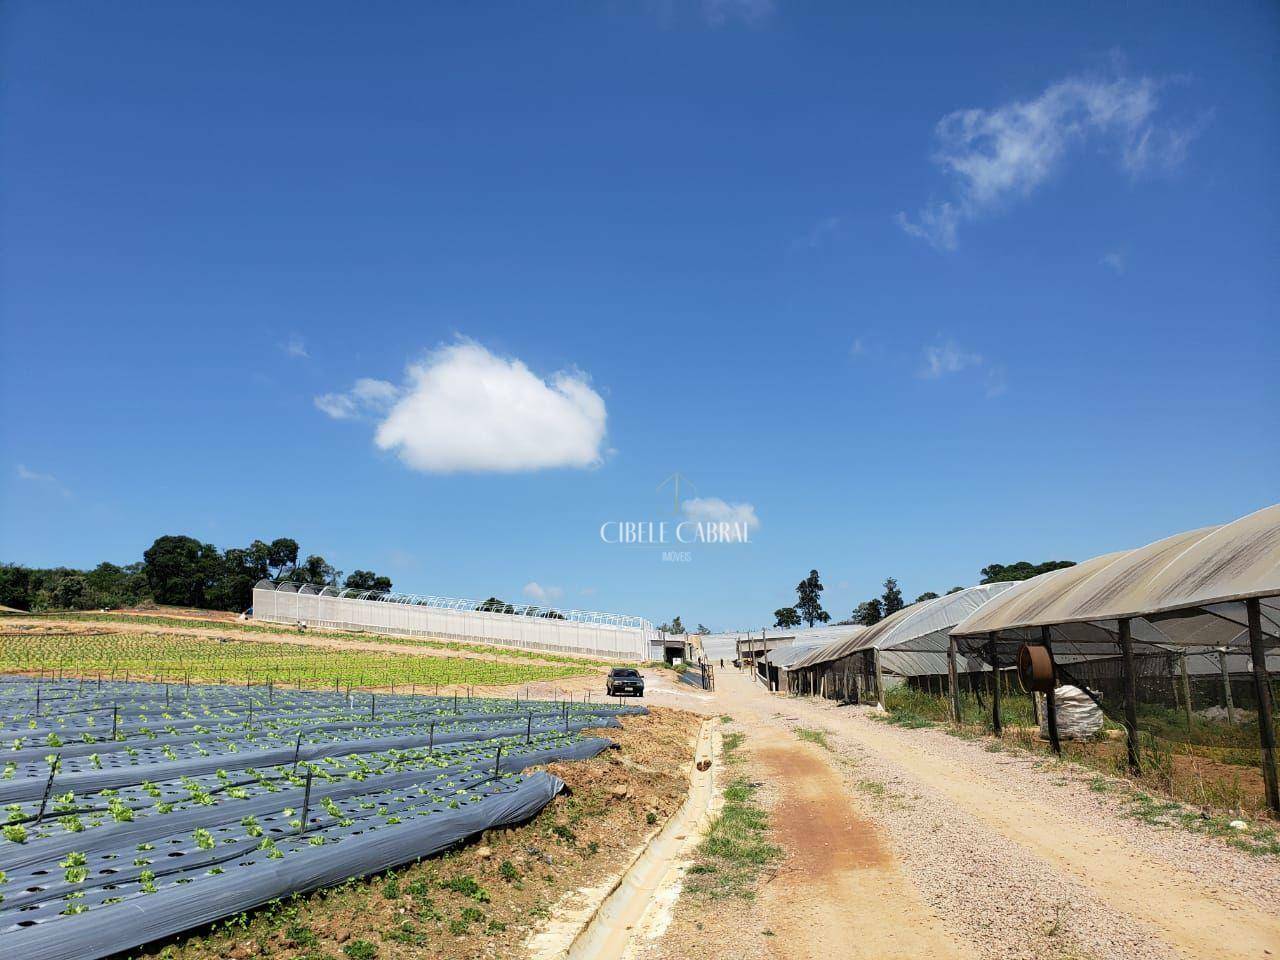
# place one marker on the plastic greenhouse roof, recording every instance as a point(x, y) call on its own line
point(1189, 588)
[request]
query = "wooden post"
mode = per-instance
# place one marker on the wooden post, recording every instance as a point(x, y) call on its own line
point(875, 653)
point(1050, 698)
point(996, 725)
point(1226, 686)
point(952, 677)
point(1266, 723)
point(1186, 688)
point(1130, 696)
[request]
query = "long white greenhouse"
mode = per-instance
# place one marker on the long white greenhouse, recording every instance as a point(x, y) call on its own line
point(527, 627)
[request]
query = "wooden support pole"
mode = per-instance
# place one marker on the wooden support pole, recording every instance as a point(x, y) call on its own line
point(1226, 687)
point(1050, 698)
point(875, 653)
point(953, 678)
point(1130, 697)
point(996, 724)
point(1186, 688)
point(1266, 723)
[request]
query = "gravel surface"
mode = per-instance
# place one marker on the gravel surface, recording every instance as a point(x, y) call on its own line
point(1003, 899)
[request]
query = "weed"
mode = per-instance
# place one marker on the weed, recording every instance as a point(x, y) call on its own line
point(813, 736)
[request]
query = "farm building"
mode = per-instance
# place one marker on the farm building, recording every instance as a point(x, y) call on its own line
point(527, 627)
point(1135, 627)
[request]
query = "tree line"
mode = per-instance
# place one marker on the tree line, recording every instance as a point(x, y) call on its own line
point(808, 605)
point(176, 571)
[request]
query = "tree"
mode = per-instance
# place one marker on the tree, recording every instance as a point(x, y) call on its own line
point(367, 580)
point(675, 627)
point(235, 576)
point(809, 601)
point(282, 554)
point(786, 618)
point(180, 570)
point(868, 612)
point(891, 599)
point(999, 573)
point(552, 615)
point(702, 630)
point(494, 605)
point(316, 571)
point(927, 595)
point(954, 590)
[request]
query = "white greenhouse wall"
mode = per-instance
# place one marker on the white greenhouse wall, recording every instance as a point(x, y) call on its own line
point(407, 619)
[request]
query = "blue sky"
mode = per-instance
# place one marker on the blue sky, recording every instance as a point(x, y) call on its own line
point(914, 292)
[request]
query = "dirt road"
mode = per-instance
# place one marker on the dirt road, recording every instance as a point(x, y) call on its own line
point(908, 843)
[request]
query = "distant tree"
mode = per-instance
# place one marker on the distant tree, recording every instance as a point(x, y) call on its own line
point(15, 586)
point(180, 570)
point(702, 630)
point(494, 605)
point(282, 556)
point(891, 599)
point(809, 599)
point(927, 595)
point(869, 612)
point(954, 590)
point(999, 573)
point(552, 615)
point(367, 580)
point(786, 617)
point(675, 627)
point(316, 571)
point(232, 585)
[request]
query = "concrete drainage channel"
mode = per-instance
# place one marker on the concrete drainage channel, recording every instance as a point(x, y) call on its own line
point(606, 932)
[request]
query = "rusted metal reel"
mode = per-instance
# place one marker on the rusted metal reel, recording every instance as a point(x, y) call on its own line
point(1035, 668)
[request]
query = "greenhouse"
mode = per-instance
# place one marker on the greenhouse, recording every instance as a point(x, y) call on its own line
point(912, 643)
point(514, 625)
point(1176, 641)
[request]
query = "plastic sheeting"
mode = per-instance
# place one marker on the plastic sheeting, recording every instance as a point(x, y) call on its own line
point(196, 812)
point(1079, 718)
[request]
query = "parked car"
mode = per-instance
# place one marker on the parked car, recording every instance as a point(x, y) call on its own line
point(624, 682)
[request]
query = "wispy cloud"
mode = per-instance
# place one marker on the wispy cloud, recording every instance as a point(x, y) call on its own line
point(715, 510)
point(751, 12)
point(464, 409)
point(820, 234)
point(367, 397)
point(536, 591)
point(1116, 260)
point(295, 346)
point(43, 479)
point(857, 348)
point(946, 357)
point(998, 155)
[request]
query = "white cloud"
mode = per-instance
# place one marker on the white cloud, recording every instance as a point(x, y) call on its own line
point(713, 509)
point(946, 357)
point(857, 348)
point(720, 12)
point(295, 346)
point(535, 591)
point(45, 479)
point(366, 397)
point(463, 408)
point(1002, 154)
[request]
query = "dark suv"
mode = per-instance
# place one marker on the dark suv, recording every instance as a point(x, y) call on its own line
point(624, 682)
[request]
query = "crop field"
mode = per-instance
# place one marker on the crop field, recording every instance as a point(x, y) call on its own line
point(181, 657)
point(135, 811)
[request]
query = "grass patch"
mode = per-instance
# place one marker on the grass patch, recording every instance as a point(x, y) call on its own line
point(813, 736)
point(736, 850)
point(729, 744)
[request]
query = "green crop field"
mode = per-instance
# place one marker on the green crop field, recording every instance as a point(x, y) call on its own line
point(200, 659)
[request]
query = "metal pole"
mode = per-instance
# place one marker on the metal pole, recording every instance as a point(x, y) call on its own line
point(1130, 697)
point(1266, 723)
point(953, 678)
